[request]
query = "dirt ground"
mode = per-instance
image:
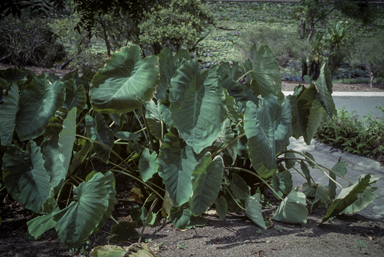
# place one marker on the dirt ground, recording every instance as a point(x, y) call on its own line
point(233, 236)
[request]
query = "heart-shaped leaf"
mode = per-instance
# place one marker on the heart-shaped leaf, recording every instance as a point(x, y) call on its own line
point(8, 110)
point(124, 78)
point(206, 183)
point(292, 209)
point(197, 105)
point(148, 165)
point(268, 128)
point(253, 210)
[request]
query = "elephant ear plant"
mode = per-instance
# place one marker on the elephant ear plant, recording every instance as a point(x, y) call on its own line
point(200, 138)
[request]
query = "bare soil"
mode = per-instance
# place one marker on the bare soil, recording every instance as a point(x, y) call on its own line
point(233, 236)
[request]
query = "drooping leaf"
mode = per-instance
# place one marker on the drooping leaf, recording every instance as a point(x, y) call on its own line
point(40, 224)
point(305, 170)
point(340, 168)
point(77, 221)
point(98, 129)
point(253, 210)
point(292, 209)
point(347, 197)
point(75, 96)
point(181, 216)
point(168, 65)
point(268, 128)
point(306, 112)
point(25, 177)
point(124, 231)
point(125, 135)
point(148, 165)
point(67, 138)
point(80, 155)
point(12, 74)
point(363, 199)
point(282, 182)
point(125, 77)
point(266, 73)
point(52, 162)
point(221, 207)
point(324, 85)
point(176, 164)
point(109, 251)
point(232, 205)
point(228, 136)
point(322, 197)
point(197, 105)
point(263, 172)
point(8, 110)
point(239, 187)
point(206, 183)
point(289, 163)
point(38, 103)
point(111, 191)
point(154, 119)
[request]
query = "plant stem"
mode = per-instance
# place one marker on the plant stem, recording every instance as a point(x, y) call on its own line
point(254, 174)
point(146, 125)
point(244, 75)
point(228, 145)
point(83, 117)
point(141, 125)
point(234, 199)
point(147, 218)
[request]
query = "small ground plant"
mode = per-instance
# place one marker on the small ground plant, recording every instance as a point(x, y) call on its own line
point(345, 131)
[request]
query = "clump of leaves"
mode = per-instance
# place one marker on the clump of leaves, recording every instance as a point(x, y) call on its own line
point(345, 131)
point(360, 245)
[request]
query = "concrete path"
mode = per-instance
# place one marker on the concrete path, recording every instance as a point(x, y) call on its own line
point(357, 166)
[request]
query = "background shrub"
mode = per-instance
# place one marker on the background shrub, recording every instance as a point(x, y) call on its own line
point(285, 46)
point(29, 42)
point(176, 24)
point(345, 131)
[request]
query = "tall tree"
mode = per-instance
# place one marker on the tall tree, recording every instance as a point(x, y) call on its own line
point(313, 12)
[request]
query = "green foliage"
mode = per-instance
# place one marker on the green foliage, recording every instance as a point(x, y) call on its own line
point(29, 42)
point(175, 24)
point(285, 46)
point(368, 52)
point(345, 131)
point(206, 139)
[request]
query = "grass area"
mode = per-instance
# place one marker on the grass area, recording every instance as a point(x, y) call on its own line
point(237, 20)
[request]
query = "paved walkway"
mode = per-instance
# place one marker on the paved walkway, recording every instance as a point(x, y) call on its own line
point(357, 166)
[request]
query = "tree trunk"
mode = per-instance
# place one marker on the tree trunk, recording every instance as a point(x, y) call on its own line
point(304, 66)
point(108, 45)
point(371, 82)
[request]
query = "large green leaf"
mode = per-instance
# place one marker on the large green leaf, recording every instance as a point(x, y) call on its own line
point(322, 196)
point(25, 177)
point(148, 165)
point(253, 210)
point(154, 120)
point(206, 182)
point(99, 130)
point(75, 96)
point(52, 161)
point(12, 74)
point(292, 209)
point(266, 73)
point(8, 111)
point(38, 103)
point(239, 187)
point(168, 65)
point(347, 197)
point(197, 105)
point(67, 138)
point(268, 128)
point(125, 77)
point(306, 112)
point(77, 221)
point(324, 85)
point(227, 80)
point(176, 164)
